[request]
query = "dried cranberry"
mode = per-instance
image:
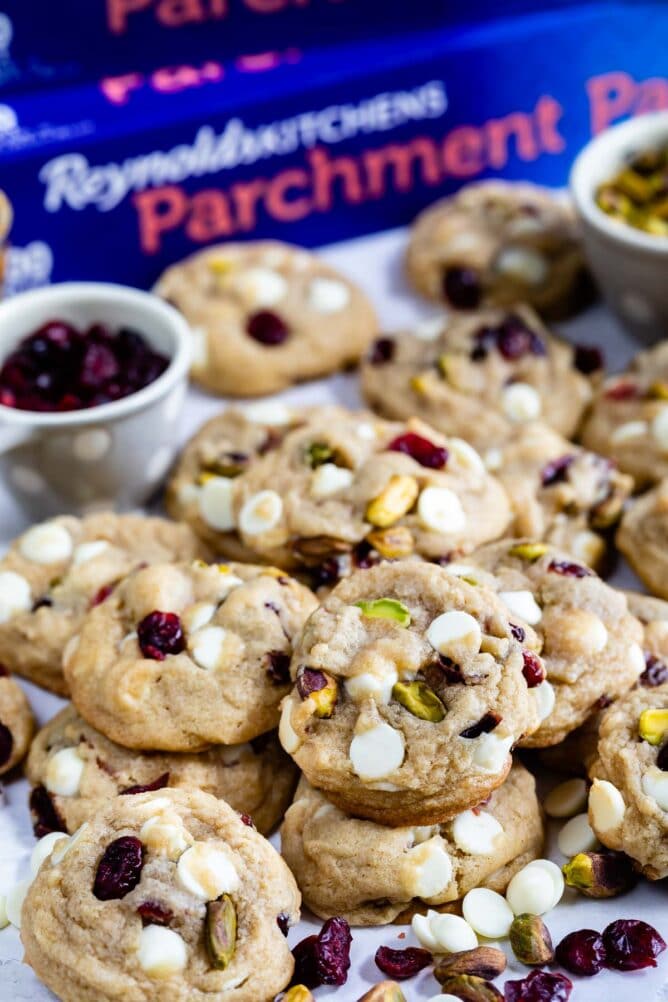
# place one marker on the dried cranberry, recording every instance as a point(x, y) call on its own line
point(158, 784)
point(662, 758)
point(518, 632)
point(6, 744)
point(655, 673)
point(267, 328)
point(160, 634)
point(305, 954)
point(631, 944)
point(119, 869)
point(484, 726)
point(514, 339)
point(539, 986)
point(153, 913)
point(622, 391)
point(588, 358)
point(569, 570)
point(324, 959)
point(310, 680)
point(45, 817)
point(283, 923)
point(483, 340)
point(461, 287)
point(278, 667)
point(402, 964)
point(102, 595)
point(99, 365)
point(327, 574)
point(443, 670)
point(555, 471)
point(424, 452)
point(364, 555)
point(533, 670)
point(247, 820)
point(582, 952)
point(382, 351)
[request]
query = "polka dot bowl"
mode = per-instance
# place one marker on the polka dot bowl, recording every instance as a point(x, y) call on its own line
point(111, 456)
point(629, 265)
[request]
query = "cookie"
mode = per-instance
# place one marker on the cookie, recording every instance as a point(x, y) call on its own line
point(370, 874)
point(643, 538)
point(17, 723)
point(409, 694)
point(265, 315)
point(590, 643)
point(181, 656)
point(479, 376)
point(79, 770)
point(628, 801)
point(54, 572)
point(166, 895)
point(628, 420)
point(559, 492)
point(497, 243)
point(345, 480)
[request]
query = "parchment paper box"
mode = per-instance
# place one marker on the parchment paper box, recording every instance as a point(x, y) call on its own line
point(115, 180)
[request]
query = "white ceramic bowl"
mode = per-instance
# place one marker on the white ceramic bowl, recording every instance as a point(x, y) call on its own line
point(111, 456)
point(631, 266)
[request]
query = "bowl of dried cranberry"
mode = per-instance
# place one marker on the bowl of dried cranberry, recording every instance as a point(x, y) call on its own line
point(93, 377)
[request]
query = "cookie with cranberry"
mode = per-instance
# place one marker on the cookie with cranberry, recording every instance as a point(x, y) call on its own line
point(17, 724)
point(265, 315)
point(410, 692)
point(162, 895)
point(346, 480)
point(643, 538)
point(559, 492)
point(628, 801)
point(182, 656)
point(370, 874)
point(480, 376)
point(629, 418)
point(590, 643)
point(56, 571)
point(80, 770)
point(496, 243)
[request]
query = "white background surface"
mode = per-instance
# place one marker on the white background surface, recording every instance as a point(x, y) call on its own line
point(375, 263)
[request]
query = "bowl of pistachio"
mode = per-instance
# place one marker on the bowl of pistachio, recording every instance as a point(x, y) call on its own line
point(619, 184)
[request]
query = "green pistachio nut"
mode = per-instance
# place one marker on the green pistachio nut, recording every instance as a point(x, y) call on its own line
point(420, 700)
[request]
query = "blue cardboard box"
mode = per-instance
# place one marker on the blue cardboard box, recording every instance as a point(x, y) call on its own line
point(339, 140)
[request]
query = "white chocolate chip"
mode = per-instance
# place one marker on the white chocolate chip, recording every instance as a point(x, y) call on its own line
point(367, 685)
point(594, 635)
point(451, 933)
point(427, 869)
point(328, 295)
point(215, 503)
point(207, 872)
point(43, 850)
point(466, 455)
point(636, 656)
point(261, 513)
point(462, 570)
point(14, 901)
point(48, 543)
point(606, 806)
point(440, 510)
point(15, 595)
point(587, 547)
point(545, 697)
point(162, 952)
point(198, 615)
point(88, 551)
point(199, 348)
point(261, 287)
point(206, 646)
point(430, 329)
point(660, 429)
point(165, 834)
point(576, 836)
point(329, 479)
point(520, 402)
point(366, 432)
point(536, 889)
point(63, 772)
point(655, 785)
point(421, 927)
point(522, 604)
point(567, 799)
point(493, 459)
point(628, 431)
point(453, 632)
point(488, 913)
point(476, 833)
point(4, 920)
point(61, 850)
point(269, 412)
point(227, 582)
point(377, 752)
point(422, 833)
point(523, 264)
point(491, 752)
point(286, 732)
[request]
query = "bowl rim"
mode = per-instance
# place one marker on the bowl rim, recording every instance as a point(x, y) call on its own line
point(59, 293)
point(598, 160)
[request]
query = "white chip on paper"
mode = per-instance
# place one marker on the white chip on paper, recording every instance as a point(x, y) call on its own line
point(576, 836)
point(567, 799)
point(488, 913)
